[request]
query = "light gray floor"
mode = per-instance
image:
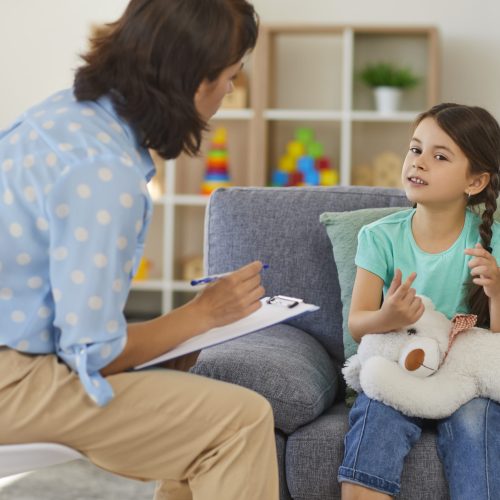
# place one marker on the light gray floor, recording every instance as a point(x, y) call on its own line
point(78, 480)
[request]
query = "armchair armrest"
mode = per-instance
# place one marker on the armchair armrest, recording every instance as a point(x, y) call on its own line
point(282, 363)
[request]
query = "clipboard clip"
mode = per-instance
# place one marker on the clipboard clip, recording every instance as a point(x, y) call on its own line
point(283, 300)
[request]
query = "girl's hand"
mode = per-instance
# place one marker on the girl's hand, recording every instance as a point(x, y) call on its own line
point(484, 270)
point(401, 305)
point(230, 298)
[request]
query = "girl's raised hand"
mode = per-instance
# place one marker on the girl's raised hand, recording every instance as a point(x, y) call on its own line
point(484, 270)
point(401, 305)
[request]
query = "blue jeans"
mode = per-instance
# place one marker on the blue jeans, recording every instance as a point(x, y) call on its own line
point(468, 445)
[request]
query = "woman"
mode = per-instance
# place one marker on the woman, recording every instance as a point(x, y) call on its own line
point(74, 216)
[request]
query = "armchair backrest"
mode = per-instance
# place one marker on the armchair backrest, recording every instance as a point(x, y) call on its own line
point(280, 227)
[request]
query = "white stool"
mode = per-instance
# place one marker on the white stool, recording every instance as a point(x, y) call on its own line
point(17, 458)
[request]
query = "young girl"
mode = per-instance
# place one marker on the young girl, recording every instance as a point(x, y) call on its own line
point(442, 249)
point(74, 212)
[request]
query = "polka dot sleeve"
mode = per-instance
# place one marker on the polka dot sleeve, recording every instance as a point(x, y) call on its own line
point(97, 215)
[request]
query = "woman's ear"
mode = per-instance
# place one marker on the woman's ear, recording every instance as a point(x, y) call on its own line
point(478, 183)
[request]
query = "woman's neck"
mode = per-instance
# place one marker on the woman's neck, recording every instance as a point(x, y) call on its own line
point(436, 229)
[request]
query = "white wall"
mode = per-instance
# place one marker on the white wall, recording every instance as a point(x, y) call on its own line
point(39, 40)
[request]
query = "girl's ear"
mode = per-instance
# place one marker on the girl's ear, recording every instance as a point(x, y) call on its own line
point(478, 183)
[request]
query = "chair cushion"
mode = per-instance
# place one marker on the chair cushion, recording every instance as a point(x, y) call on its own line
point(282, 363)
point(342, 229)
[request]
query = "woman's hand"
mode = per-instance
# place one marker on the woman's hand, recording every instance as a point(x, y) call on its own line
point(231, 297)
point(484, 270)
point(401, 306)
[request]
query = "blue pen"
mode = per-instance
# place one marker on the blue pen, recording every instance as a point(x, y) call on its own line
point(214, 277)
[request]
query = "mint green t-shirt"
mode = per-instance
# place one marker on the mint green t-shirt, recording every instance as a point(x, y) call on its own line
point(388, 244)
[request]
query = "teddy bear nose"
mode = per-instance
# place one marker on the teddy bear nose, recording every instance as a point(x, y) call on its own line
point(414, 359)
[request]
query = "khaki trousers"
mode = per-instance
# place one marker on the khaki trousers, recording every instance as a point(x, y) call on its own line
point(200, 438)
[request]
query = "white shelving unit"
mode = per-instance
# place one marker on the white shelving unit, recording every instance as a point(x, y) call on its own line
point(305, 76)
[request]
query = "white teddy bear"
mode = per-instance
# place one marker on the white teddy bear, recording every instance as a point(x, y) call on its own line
point(415, 371)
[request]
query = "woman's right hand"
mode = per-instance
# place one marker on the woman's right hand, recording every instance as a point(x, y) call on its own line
point(230, 297)
point(401, 306)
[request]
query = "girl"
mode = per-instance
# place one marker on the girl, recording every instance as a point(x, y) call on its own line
point(442, 249)
point(73, 218)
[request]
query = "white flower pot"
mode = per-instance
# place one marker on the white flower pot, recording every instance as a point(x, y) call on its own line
point(387, 99)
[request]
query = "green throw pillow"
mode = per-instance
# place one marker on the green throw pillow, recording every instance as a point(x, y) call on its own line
point(342, 229)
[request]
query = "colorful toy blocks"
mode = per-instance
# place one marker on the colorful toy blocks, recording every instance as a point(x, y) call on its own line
point(217, 163)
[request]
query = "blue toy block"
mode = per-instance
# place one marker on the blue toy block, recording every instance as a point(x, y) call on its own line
point(305, 164)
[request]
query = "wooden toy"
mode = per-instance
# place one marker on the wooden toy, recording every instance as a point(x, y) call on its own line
point(387, 170)
point(216, 163)
point(362, 175)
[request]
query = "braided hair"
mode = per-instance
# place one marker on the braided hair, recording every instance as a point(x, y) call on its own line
point(477, 134)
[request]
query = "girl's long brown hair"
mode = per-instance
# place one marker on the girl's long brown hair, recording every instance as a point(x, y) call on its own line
point(477, 134)
point(152, 60)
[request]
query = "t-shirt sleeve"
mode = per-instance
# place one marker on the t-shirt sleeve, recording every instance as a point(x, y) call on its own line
point(373, 253)
point(96, 213)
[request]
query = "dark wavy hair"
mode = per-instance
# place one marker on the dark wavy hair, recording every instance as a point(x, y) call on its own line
point(152, 60)
point(477, 134)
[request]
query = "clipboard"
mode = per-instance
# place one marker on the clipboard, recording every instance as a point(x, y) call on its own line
point(272, 311)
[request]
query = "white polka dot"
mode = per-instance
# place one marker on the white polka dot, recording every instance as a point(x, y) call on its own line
point(23, 259)
point(71, 319)
point(116, 127)
point(5, 293)
point(77, 277)
point(42, 224)
point(35, 282)
point(74, 127)
point(83, 191)
point(30, 193)
point(126, 200)
point(103, 217)
point(86, 340)
point(65, 146)
point(28, 161)
point(45, 336)
point(16, 230)
point(91, 152)
point(43, 312)
point(117, 285)
point(112, 326)
point(18, 316)
point(106, 351)
point(105, 174)
point(128, 266)
point(47, 189)
point(51, 160)
point(40, 113)
point(48, 124)
point(100, 260)
point(88, 112)
point(62, 210)
point(60, 253)
point(95, 303)
point(122, 243)
point(7, 164)
point(33, 135)
point(8, 197)
point(96, 383)
point(23, 345)
point(103, 137)
point(61, 111)
point(14, 139)
point(81, 234)
point(138, 226)
point(127, 160)
point(57, 294)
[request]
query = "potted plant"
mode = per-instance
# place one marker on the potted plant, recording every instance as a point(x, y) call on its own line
point(388, 81)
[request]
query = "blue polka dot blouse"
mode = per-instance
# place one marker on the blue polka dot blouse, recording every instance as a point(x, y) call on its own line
point(74, 211)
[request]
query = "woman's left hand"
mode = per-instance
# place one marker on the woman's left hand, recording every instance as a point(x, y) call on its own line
point(484, 270)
